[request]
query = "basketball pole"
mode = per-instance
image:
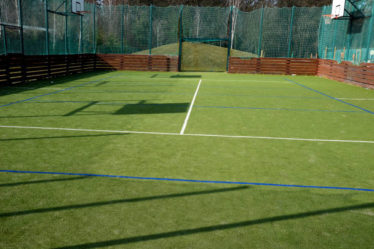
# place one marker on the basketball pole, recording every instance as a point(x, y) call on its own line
point(370, 33)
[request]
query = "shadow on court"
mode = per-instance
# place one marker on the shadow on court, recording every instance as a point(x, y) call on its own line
point(144, 108)
point(218, 227)
point(24, 87)
point(59, 137)
point(104, 203)
point(186, 76)
point(14, 184)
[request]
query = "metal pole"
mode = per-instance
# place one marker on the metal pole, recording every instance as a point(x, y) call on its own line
point(180, 38)
point(260, 36)
point(21, 26)
point(334, 37)
point(66, 28)
point(150, 29)
point(122, 28)
point(290, 34)
point(230, 41)
point(370, 34)
point(46, 28)
point(4, 40)
point(47, 37)
point(81, 34)
point(94, 29)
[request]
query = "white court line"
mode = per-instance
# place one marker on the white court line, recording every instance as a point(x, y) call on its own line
point(356, 99)
point(190, 109)
point(191, 135)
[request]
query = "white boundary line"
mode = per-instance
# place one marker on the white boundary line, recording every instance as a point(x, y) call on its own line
point(190, 109)
point(191, 135)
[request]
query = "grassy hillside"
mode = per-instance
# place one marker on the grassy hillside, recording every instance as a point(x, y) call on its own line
point(199, 56)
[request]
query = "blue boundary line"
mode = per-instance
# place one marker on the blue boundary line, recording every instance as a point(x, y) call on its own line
point(55, 92)
point(186, 180)
point(324, 94)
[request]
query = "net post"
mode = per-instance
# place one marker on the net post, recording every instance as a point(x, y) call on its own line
point(230, 38)
point(150, 29)
point(260, 35)
point(370, 34)
point(122, 28)
point(180, 38)
point(290, 33)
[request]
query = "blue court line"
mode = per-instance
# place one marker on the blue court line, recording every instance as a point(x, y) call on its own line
point(55, 92)
point(324, 94)
point(273, 109)
point(186, 180)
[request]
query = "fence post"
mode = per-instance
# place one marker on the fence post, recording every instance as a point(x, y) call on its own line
point(180, 38)
point(230, 33)
point(370, 34)
point(66, 28)
point(290, 34)
point(4, 39)
point(21, 26)
point(122, 28)
point(81, 33)
point(260, 35)
point(47, 37)
point(150, 29)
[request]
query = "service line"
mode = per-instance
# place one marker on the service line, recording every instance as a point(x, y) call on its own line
point(190, 135)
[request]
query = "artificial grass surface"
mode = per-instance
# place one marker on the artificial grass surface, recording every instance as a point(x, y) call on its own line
point(47, 211)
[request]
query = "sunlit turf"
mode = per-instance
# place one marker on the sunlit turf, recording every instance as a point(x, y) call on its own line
point(51, 211)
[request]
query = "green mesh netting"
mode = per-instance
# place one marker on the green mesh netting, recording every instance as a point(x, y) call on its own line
point(247, 32)
point(165, 30)
point(10, 20)
point(304, 43)
point(111, 28)
point(205, 46)
point(205, 22)
point(349, 39)
point(34, 30)
point(109, 31)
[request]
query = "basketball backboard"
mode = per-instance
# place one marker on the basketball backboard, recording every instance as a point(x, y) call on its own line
point(338, 7)
point(77, 6)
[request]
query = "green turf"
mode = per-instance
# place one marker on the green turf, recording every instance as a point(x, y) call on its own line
point(49, 211)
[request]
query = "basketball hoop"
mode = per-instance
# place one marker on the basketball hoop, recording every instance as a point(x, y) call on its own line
point(329, 18)
point(82, 12)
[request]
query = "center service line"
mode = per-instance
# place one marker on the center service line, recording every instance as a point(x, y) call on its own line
point(189, 111)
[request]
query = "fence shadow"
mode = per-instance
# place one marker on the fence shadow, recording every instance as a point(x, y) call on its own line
point(218, 227)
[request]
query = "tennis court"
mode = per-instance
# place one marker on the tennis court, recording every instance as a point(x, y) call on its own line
point(186, 160)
